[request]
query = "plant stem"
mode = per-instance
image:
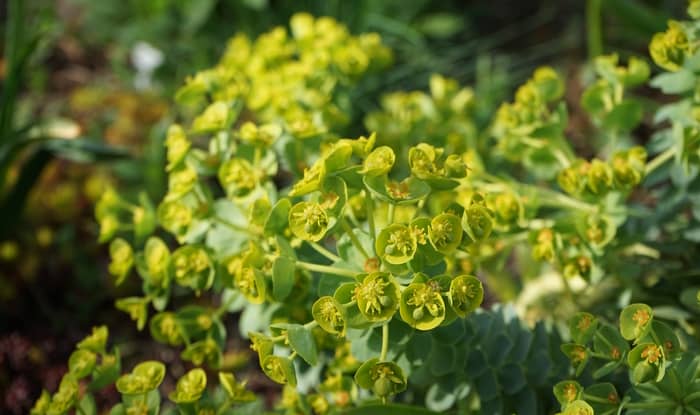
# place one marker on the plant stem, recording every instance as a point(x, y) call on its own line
point(224, 306)
point(369, 206)
point(594, 29)
point(548, 196)
point(353, 238)
point(385, 342)
point(326, 269)
point(311, 324)
point(323, 251)
point(390, 214)
point(659, 160)
point(555, 198)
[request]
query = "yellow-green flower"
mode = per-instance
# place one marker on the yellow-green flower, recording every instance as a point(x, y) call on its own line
point(422, 305)
point(670, 48)
point(377, 296)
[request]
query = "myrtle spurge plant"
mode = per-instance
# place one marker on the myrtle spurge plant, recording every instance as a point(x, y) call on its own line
point(358, 265)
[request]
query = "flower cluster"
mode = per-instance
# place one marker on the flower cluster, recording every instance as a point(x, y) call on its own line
point(357, 263)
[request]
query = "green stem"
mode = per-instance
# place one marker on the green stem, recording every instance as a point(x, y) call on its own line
point(353, 237)
point(547, 196)
point(224, 406)
point(224, 306)
point(369, 205)
point(323, 251)
point(326, 269)
point(311, 324)
point(659, 160)
point(594, 29)
point(390, 214)
point(385, 342)
point(555, 198)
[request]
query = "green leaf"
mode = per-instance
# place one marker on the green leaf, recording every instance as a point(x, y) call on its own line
point(567, 392)
point(86, 405)
point(278, 219)
point(665, 336)
point(677, 82)
point(608, 342)
point(487, 385)
point(107, 371)
point(282, 277)
point(408, 191)
point(85, 150)
point(583, 326)
point(512, 378)
point(624, 116)
point(603, 397)
point(442, 359)
point(301, 340)
point(635, 321)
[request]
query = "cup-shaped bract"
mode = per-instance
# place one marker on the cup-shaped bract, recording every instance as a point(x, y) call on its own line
point(190, 387)
point(379, 162)
point(422, 305)
point(466, 294)
point(635, 321)
point(308, 221)
point(445, 232)
point(329, 315)
point(192, 267)
point(382, 378)
point(396, 244)
point(145, 377)
point(280, 369)
point(377, 296)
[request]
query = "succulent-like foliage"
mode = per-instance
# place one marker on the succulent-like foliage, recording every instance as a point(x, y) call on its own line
point(359, 264)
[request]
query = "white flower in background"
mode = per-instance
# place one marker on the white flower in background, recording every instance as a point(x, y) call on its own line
point(145, 59)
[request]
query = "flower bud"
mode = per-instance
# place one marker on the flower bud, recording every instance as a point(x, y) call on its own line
point(670, 48)
point(177, 146)
point(599, 177)
point(215, 117)
point(190, 387)
point(238, 177)
point(122, 257)
point(455, 167)
point(379, 162)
